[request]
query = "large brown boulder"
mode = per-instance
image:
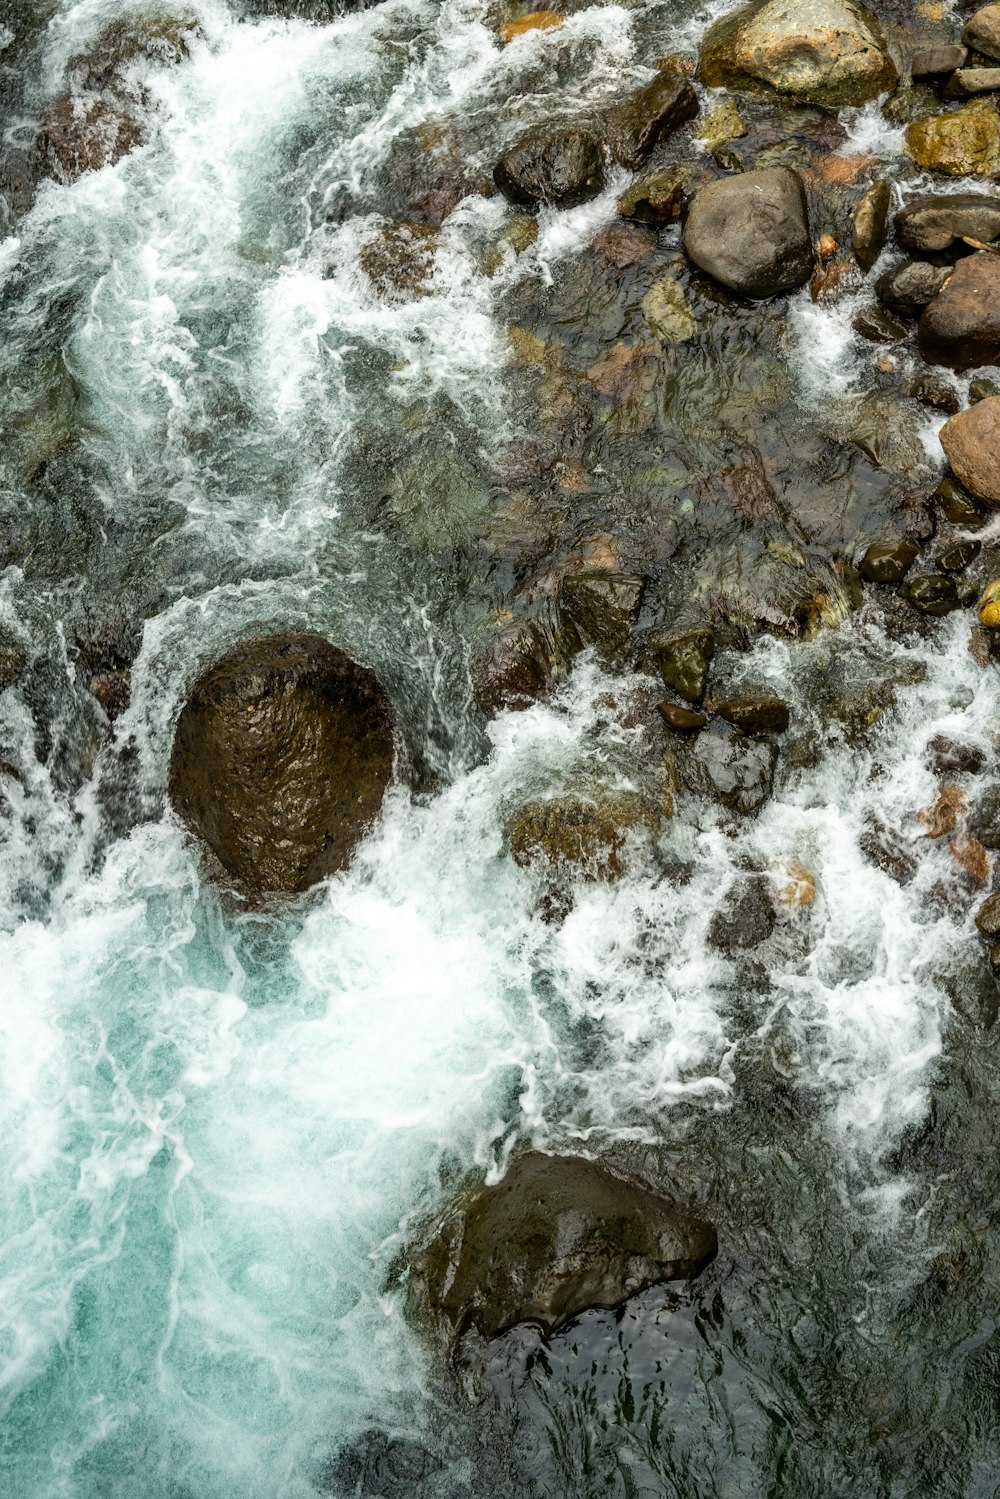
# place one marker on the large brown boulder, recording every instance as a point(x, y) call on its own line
point(557, 1235)
point(963, 143)
point(983, 31)
point(972, 442)
point(828, 52)
point(281, 758)
point(751, 232)
point(961, 327)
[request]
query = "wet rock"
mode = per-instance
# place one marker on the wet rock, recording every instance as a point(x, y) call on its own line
point(684, 662)
point(967, 83)
point(580, 835)
point(517, 236)
point(933, 222)
point(13, 662)
point(668, 312)
point(957, 505)
point(907, 288)
point(949, 756)
point(732, 769)
point(932, 593)
point(984, 818)
point(982, 32)
point(557, 1235)
point(78, 136)
point(972, 858)
point(889, 561)
point(112, 689)
point(937, 62)
point(381, 1467)
point(964, 143)
point(751, 232)
point(829, 281)
point(828, 52)
point(871, 224)
point(941, 818)
point(971, 441)
point(879, 325)
point(660, 197)
point(514, 670)
point(623, 247)
point(972, 988)
point(961, 327)
point(956, 558)
point(981, 389)
point(989, 606)
point(601, 610)
point(887, 851)
point(683, 720)
point(635, 126)
point(281, 757)
point(755, 713)
point(988, 917)
point(934, 390)
point(725, 123)
point(746, 917)
point(561, 167)
point(797, 891)
point(162, 39)
point(399, 261)
point(535, 20)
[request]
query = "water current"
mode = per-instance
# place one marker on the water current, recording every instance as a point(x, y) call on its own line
point(218, 1128)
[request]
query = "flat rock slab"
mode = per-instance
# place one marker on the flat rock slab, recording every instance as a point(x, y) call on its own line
point(281, 759)
point(751, 232)
point(935, 221)
point(557, 1235)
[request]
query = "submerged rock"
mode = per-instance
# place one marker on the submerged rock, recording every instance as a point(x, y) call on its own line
point(514, 670)
point(668, 312)
point(601, 610)
point(964, 143)
point(934, 222)
point(828, 52)
point(281, 758)
point(732, 769)
point(78, 137)
point(557, 1235)
point(580, 836)
point(961, 327)
point(751, 232)
point(535, 20)
point(562, 167)
point(932, 593)
point(889, 560)
point(746, 917)
point(399, 260)
point(638, 123)
point(971, 441)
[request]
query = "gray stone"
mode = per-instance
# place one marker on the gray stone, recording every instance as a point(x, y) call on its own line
point(746, 917)
point(561, 167)
point(906, 289)
point(871, 224)
point(966, 83)
point(934, 222)
point(751, 232)
point(938, 62)
point(732, 769)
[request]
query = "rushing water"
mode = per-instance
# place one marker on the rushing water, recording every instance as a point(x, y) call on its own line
point(217, 1128)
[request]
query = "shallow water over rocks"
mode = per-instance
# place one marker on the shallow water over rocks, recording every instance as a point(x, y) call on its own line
point(223, 1127)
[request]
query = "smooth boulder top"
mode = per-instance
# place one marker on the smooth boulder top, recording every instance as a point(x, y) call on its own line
point(751, 232)
point(961, 327)
point(971, 441)
point(281, 758)
point(962, 143)
point(557, 1235)
point(829, 52)
point(935, 221)
point(563, 167)
point(983, 31)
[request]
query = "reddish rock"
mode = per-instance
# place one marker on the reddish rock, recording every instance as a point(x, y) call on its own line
point(683, 720)
point(623, 247)
point(971, 441)
point(76, 138)
point(961, 327)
